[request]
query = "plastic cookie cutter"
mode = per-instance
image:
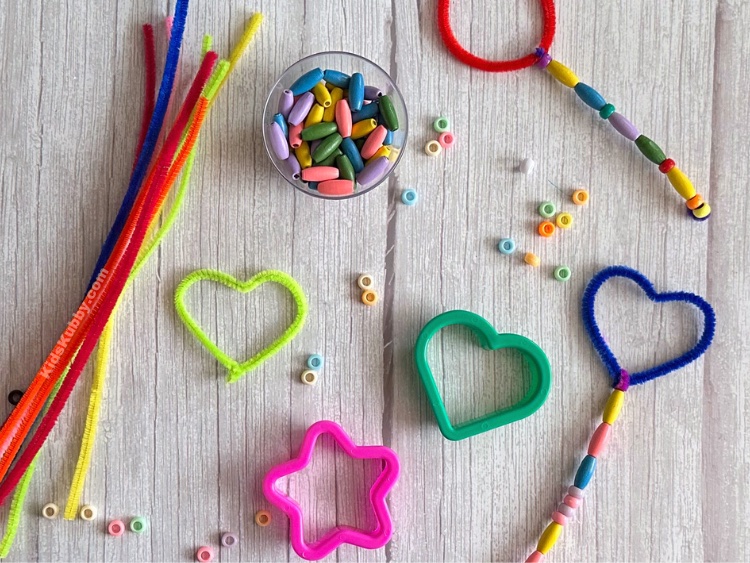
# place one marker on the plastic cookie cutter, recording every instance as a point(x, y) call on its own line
point(374, 539)
point(488, 337)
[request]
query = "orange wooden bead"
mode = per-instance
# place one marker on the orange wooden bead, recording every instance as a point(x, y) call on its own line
point(546, 229)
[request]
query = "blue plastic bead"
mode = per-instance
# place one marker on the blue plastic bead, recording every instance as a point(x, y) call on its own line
point(348, 147)
point(409, 197)
point(388, 138)
point(590, 96)
point(337, 78)
point(356, 91)
point(306, 82)
point(315, 361)
point(367, 112)
point(585, 472)
point(278, 118)
point(507, 246)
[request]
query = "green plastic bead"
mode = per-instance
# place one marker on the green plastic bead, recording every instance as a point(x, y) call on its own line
point(139, 525)
point(327, 147)
point(346, 170)
point(388, 112)
point(319, 131)
point(547, 209)
point(562, 273)
point(606, 111)
point(441, 124)
point(650, 150)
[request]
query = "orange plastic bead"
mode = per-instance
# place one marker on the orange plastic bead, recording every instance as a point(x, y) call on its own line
point(546, 229)
point(263, 518)
point(369, 297)
point(580, 197)
point(532, 259)
point(695, 202)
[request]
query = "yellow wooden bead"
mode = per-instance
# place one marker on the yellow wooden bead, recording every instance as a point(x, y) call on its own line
point(382, 151)
point(393, 155)
point(362, 128)
point(330, 112)
point(613, 406)
point(703, 211)
point(681, 183)
point(303, 155)
point(315, 116)
point(549, 537)
point(322, 95)
point(562, 74)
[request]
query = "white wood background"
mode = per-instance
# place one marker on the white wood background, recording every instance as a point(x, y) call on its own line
point(182, 448)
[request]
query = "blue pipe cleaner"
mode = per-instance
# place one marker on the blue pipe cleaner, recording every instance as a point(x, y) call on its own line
point(606, 354)
point(152, 135)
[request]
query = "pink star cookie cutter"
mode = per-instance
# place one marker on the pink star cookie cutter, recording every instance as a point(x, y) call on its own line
point(374, 539)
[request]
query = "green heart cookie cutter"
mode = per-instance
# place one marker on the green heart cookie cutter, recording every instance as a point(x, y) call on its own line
point(238, 369)
point(489, 339)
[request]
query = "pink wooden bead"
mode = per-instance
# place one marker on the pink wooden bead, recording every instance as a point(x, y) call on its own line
point(336, 187)
point(572, 502)
point(599, 439)
point(320, 173)
point(575, 491)
point(566, 510)
point(535, 557)
point(374, 142)
point(343, 118)
point(560, 518)
point(295, 137)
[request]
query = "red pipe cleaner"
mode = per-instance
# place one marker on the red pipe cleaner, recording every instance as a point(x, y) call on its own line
point(149, 97)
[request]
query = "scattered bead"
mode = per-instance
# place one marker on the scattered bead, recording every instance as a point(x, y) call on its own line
point(580, 197)
point(535, 557)
point(441, 124)
point(116, 528)
point(575, 492)
point(446, 140)
point(369, 297)
point(532, 259)
point(562, 273)
point(433, 148)
point(14, 397)
point(693, 203)
point(599, 440)
point(87, 512)
point(315, 361)
point(526, 166)
point(409, 197)
point(50, 511)
point(585, 472)
point(559, 518)
point(564, 220)
point(546, 229)
point(606, 111)
point(139, 525)
point(204, 554)
point(309, 377)
point(572, 501)
point(547, 209)
point(666, 166)
point(549, 537)
point(507, 246)
point(365, 281)
point(263, 518)
point(228, 539)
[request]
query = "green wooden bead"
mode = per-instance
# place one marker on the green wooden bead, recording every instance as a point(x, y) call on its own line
point(346, 170)
point(326, 146)
point(650, 150)
point(331, 158)
point(319, 131)
point(388, 112)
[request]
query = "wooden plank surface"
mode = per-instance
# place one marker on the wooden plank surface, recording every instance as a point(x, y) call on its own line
point(179, 446)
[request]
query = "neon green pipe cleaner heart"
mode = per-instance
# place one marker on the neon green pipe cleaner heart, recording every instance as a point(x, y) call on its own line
point(238, 369)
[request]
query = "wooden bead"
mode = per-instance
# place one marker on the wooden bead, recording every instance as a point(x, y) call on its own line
point(585, 472)
point(681, 183)
point(590, 97)
point(613, 407)
point(650, 149)
point(562, 74)
point(599, 440)
point(535, 557)
point(549, 537)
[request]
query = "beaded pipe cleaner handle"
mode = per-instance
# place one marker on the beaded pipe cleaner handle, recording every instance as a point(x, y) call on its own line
point(697, 207)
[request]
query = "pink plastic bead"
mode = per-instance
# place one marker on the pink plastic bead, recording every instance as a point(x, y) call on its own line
point(566, 510)
point(535, 557)
point(572, 502)
point(599, 439)
point(446, 140)
point(575, 491)
point(560, 518)
point(116, 528)
point(204, 554)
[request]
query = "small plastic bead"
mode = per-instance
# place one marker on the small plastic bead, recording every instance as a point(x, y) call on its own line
point(613, 407)
point(562, 74)
point(693, 203)
point(666, 166)
point(606, 111)
point(309, 377)
point(433, 148)
point(50, 511)
point(409, 197)
point(575, 492)
point(116, 528)
point(87, 512)
point(526, 166)
point(681, 183)
point(547, 209)
point(650, 149)
point(559, 518)
point(562, 273)
point(599, 440)
point(14, 397)
point(565, 509)
point(507, 246)
point(263, 518)
point(549, 537)
point(564, 220)
point(623, 126)
point(365, 281)
point(204, 554)
point(532, 259)
point(580, 197)
point(139, 525)
point(441, 124)
point(546, 229)
point(543, 61)
point(585, 472)
point(572, 501)
point(446, 140)
point(535, 557)
point(369, 297)
point(702, 212)
point(228, 539)
point(589, 96)
point(315, 361)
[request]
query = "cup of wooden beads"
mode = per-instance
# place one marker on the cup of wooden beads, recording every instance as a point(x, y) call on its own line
point(335, 125)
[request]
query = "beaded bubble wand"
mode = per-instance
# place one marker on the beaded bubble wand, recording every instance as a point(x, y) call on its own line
point(697, 207)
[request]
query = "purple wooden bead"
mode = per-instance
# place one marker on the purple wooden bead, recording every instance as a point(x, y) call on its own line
point(286, 101)
point(575, 491)
point(566, 510)
point(623, 126)
point(372, 92)
point(278, 143)
point(373, 171)
point(543, 61)
point(314, 145)
point(293, 167)
point(301, 108)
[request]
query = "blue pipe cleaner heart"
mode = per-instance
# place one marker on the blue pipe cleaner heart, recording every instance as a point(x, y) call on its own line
point(608, 357)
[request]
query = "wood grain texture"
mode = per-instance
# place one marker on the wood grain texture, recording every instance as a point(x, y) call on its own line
point(179, 446)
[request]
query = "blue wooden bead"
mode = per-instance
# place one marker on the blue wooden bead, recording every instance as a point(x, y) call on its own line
point(585, 472)
point(306, 82)
point(348, 147)
point(590, 96)
point(278, 118)
point(388, 138)
point(337, 78)
point(356, 91)
point(368, 111)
